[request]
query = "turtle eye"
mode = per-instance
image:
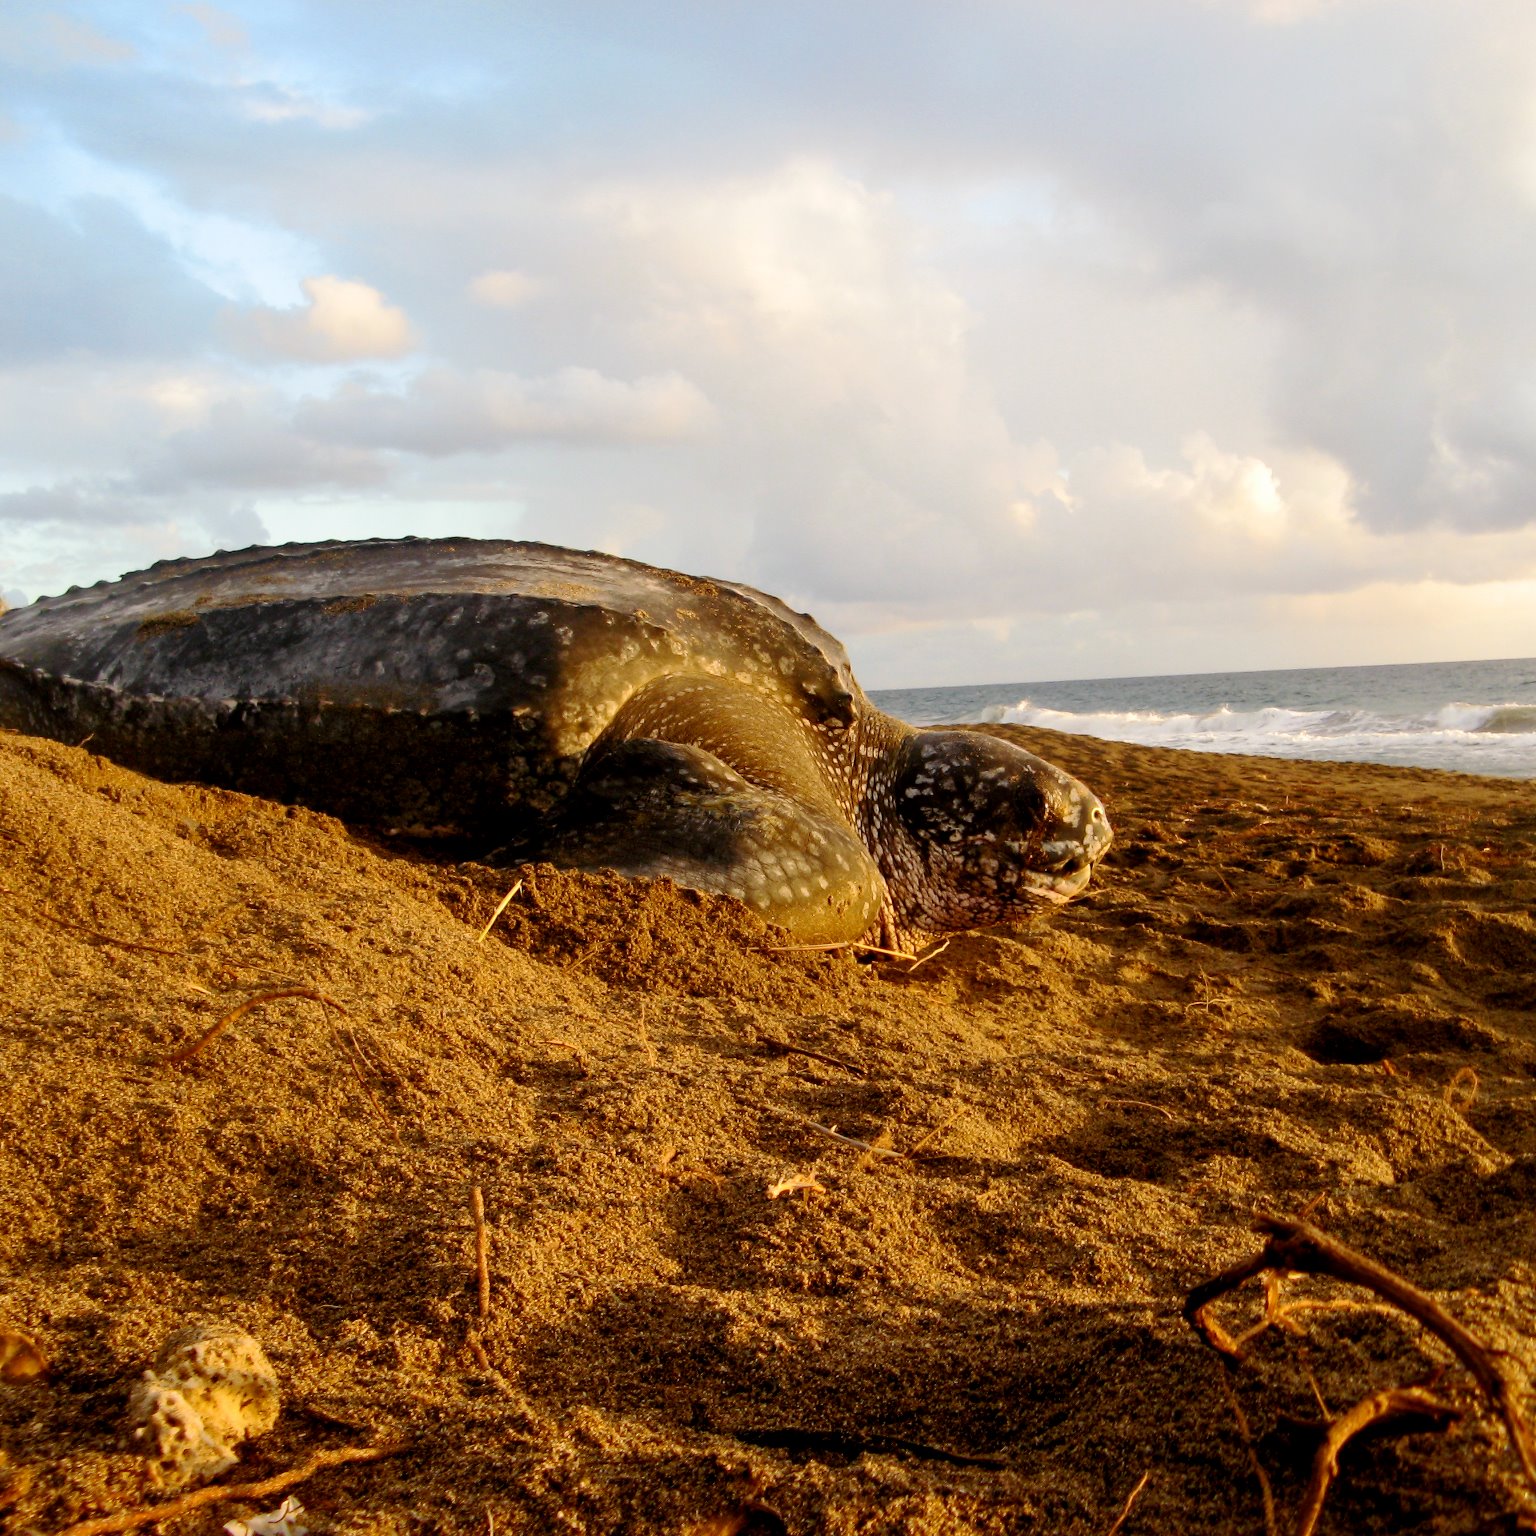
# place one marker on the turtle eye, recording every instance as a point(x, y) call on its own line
point(834, 708)
point(840, 711)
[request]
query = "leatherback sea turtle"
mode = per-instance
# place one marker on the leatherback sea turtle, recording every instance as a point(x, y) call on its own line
point(571, 706)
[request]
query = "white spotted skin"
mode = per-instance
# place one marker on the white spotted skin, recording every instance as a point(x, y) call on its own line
point(888, 785)
point(569, 704)
point(971, 830)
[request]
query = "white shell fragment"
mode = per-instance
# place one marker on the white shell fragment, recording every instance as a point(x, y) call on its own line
point(285, 1520)
point(210, 1388)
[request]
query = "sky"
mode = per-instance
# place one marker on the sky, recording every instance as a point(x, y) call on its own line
point(1015, 339)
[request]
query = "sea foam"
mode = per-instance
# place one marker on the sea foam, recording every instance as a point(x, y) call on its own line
point(1431, 714)
point(1447, 737)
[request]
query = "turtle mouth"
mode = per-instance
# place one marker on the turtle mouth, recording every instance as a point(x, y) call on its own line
point(1061, 884)
point(1069, 860)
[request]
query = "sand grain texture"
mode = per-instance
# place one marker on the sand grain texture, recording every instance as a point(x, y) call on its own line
point(1291, 980)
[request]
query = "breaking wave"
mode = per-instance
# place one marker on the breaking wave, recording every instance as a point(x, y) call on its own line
point(1477, 738)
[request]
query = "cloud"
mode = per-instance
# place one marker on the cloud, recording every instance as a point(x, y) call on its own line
point(1283, 12)
point(78, 42)
point(77, 503)
point(1112, 320)
point(84, 506)
point(249, 444)
point(1223, 495)
point(86, 414)
point(238, 444)
point(838, 361)
point(343, 321)
point(223, 29)
point(446, 412)
point(63, 534)
point(51, 41)
point(92, 279)
point(263, 101)
point(503, 289)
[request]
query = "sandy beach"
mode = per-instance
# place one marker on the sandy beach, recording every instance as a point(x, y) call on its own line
point(777, 1240)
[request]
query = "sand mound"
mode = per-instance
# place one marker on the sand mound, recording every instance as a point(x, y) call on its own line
point(1293, 980)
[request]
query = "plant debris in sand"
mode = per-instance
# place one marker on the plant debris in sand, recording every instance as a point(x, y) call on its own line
point(484, 1167)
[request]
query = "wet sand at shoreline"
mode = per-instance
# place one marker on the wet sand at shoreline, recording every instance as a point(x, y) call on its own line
point(1291, 980)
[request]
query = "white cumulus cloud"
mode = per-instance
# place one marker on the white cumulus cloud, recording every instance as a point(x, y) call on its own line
point(838, 358)
point(343, 321)
point(1113, 332)
point(445, 411)
point(503, 289)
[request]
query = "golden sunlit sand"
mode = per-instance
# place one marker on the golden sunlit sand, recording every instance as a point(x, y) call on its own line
point(772, 1239)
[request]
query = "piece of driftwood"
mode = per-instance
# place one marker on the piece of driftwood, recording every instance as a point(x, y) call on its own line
point(1301, 1248)
point(1409, 1410)
point(132, 1519)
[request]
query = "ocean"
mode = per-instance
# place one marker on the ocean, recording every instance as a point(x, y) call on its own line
point(1469, 716)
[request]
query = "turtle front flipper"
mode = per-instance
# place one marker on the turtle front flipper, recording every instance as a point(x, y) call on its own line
point(668, 809)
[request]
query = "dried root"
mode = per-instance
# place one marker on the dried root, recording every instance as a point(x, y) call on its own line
point(187, 1052)
point(132, 1519)
point(1295, 1246)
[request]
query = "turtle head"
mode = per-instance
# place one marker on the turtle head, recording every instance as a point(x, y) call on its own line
point(993, 829)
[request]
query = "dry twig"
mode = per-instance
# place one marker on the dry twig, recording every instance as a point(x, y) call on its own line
point(938, 1130)
point(1298, 1246)
point(1129, 1505)
point(774, 1043)
point(806, 1183)
point(927, 955)
point(582, 1063)
point(132, 1519)
point(1274, 1316)
point(138, 944)
point(95, 935)
point(491, 921)
point(477, 1349)
point(1208, 999)
point(870, 1147)
point(1317, 1393)
point(482, 1252)
point(354, 1054)
point(1284, 1317)
point(1270, 1528)
point(882, 1143)
point(1160, 1109)
point(1417, 1408)
point(187, 1052)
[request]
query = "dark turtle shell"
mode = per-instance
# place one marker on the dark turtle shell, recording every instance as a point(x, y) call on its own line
point(426, 683)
